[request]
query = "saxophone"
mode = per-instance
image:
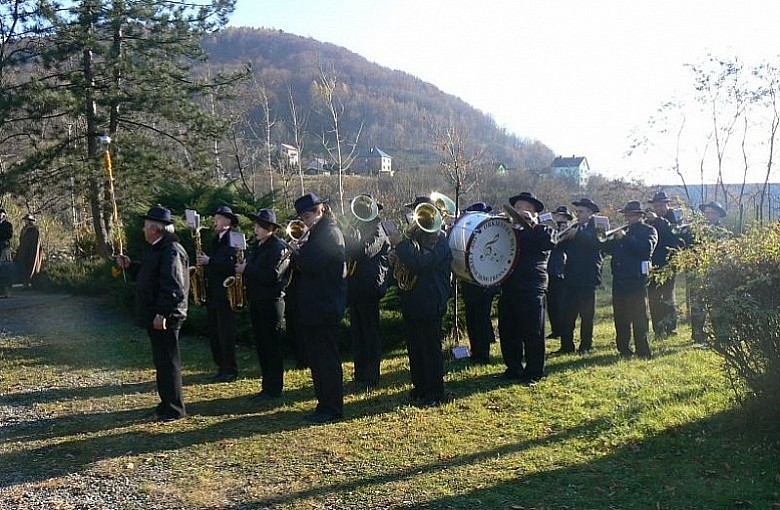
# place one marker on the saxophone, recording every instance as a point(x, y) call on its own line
point(234, 285)
point(197, 273)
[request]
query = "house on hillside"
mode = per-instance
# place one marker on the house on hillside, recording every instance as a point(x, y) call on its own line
point(317, 166)
point(288, 154)
point(574, 169)
point(374, 161)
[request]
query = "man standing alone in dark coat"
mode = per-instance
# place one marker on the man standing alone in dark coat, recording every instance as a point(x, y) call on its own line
point(162, 285)
point(6, 233)
point(322, 298)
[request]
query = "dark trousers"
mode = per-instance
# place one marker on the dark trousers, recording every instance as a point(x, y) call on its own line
point(630, 310)
point(521, 332)
point(366, 340)
point(322, 351)
point(579, 302)
point(556, 305)
point(479, 325)
point(222, 337)
point(426, 360)
point(167, 362)
point(697, 309)
point(292, 338)
point(266, 317)
point(663, 310)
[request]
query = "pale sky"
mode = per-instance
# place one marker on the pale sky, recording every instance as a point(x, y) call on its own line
point(580, 76)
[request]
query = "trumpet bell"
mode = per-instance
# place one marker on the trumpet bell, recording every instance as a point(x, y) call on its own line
point(444, 204)
point(427, 217)
point(364, 207)
point(295, 229)
point(515, 217)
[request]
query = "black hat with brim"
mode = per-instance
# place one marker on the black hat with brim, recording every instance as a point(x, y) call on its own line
point(159, 214)
point(633, 207)
point(714, 205)
point(525, 196)
point(565, 211)
point(307, 202)
point(265, 217)
point(586, 202)
point(659, 197)
point(417, 201)
point(228, 213)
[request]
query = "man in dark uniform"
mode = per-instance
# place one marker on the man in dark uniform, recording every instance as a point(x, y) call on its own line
point(556, 290)
point(631, 251)
point(162, 285)
point(221, 319)
point(663, 309)
point(714, 212)
point(426, 259)
point(321, 300)
point(583, 274)
point(521, 306)
point(367, 247)
point(478, 304)
point(264, 275)
point(6, 266)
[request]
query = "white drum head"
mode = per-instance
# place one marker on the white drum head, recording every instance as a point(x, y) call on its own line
point(484, 249)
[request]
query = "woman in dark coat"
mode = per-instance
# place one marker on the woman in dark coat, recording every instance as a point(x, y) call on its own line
point(29, 257)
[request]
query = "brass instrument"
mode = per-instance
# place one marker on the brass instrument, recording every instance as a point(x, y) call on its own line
point(515, 218)
point(234, 285)
point(297, 233)
point(296, 229)
point(444, 204)
point(198, 282)
point(607, 235)
point(558, 235)
point(363, 208)
point(428, 218)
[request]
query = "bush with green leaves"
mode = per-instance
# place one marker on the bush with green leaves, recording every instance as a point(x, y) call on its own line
point(737, 279)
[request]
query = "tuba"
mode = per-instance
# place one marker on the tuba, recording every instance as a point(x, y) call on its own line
point(234, 285)
point(363, 208)
point(444, 204)
point(198, 286)
point(427, 218)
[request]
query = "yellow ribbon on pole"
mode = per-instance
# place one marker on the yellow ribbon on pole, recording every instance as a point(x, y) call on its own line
point(105, 139)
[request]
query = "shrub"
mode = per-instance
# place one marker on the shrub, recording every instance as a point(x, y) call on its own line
point(737, 280)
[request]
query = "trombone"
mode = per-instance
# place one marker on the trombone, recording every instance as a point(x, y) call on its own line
point(515, 218)
point(559, 234)
point(608, 235)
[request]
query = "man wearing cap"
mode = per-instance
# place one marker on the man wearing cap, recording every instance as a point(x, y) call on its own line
point(367, 248)
point(321, 297)
point(29, 256)
point(478, 304)
point(555, 270)
point(582, 276)
point(6, 234)
point(631, 251)
point(663, 309)
point(264, 274)
point(427, 258)
point(221, 319)
point(162, 286)
point(521, 305)
point(714, 212)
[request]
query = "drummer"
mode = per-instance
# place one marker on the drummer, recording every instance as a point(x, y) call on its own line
point(478, 301)
point(521, 305)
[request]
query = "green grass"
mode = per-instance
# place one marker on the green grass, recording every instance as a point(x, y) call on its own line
point(597, 433)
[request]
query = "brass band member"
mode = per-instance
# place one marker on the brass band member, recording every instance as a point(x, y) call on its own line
point(162, 285)
point(714, 213)
point(631, 251)
point(663, 309)
point(265, 277)
point(221, 319)
point(6, 234)
point(555, 271)
point(321, 300)
point(427, 259)
point(521, 306)
point(367, 247)
point(478, 304)
point(583, 274)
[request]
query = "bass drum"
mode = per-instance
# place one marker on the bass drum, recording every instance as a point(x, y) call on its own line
point(484, 248)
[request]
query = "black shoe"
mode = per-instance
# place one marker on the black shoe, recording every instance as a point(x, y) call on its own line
point(563, 350)
point(225, 378)
point(627, 354)
point(584, 352)
point(509, 375)
point(264, 397)
point(645, 356)
point(427, 404)
point(166, 418)
point(553, 335)
point(529, 380)
point(479, 360)
point(318, 417)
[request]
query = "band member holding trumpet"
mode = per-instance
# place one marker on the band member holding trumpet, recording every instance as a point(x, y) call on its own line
point(555, 270)
point(478, 303)
point(162, 285)
point(631, 248)
point(521, 306)
point(425, 257)
point(222, 321)
point(581, 277)
point(367, 247)
point(265, 275)
point(321, 295)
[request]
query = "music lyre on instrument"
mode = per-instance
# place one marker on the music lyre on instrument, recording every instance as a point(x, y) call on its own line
point(234, 285)
point(198, 284)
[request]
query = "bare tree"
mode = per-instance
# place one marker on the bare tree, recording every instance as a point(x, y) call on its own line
point(298, 122)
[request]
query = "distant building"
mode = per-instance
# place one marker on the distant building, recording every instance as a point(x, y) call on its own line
point(317, 166)
point(289, 155)
point(575, 169)
point(374, 161)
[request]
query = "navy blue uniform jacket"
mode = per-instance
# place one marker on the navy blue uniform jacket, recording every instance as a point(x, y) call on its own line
point(630, 254)
point(428, 298)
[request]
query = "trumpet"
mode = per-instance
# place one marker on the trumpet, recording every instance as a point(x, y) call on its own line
point(558, 235)
point(364, 209)
point(427, 218)
point(607, 235)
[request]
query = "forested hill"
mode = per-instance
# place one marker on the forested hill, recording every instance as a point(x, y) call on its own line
point(397, 110)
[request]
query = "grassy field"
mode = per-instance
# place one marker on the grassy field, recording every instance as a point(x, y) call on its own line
point(598, 433)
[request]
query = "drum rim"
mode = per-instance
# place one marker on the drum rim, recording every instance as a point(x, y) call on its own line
point(470, 240)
